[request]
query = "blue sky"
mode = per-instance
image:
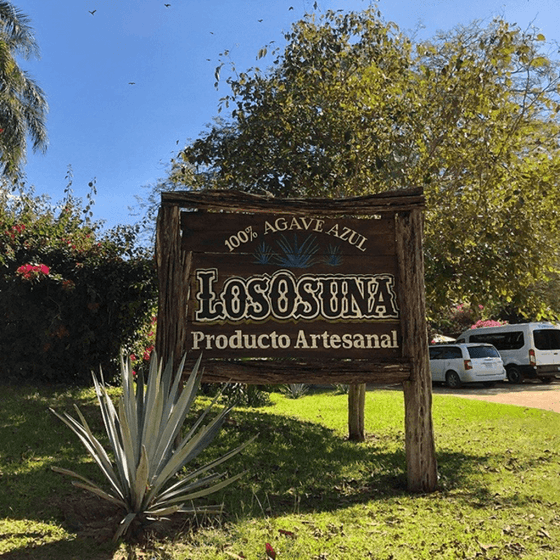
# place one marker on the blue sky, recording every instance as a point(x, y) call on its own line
point(132, 83)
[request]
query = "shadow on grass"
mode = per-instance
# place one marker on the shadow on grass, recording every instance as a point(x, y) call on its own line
point(293, 467)
point(60, 550)
point(303, 467)
point(32, 440)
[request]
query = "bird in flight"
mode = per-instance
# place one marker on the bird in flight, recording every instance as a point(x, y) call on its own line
point(92, 13)
point(131, 83)
point(167, 5)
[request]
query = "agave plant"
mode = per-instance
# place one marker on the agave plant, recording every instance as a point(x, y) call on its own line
point(295, 390)
point(144, 432)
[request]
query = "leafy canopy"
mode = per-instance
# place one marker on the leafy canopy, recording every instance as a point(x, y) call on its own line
point(23, 105)
point(352, 105)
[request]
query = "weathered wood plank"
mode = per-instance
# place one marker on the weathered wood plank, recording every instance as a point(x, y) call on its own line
point(390, 201)
point(242, 232)
point(297, 371)
point(174, 268)
point(419, 437)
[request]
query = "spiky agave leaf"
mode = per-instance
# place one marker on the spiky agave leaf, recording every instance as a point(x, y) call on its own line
point(142, 430)
point(184, 484)
point(89, 485)
point(95, 449)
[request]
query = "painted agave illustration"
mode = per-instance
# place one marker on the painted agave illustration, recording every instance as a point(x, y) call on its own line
point(264, 254)
point(295, 254)
point(333, 256)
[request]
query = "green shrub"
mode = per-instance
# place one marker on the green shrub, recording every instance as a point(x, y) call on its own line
point(241, 394)
point(71, 295)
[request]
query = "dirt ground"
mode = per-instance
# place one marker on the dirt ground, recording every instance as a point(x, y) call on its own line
point(532, 394)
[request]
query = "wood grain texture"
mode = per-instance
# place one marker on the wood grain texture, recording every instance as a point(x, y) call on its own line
point(419, 437)
point(173, 264)
point(390, 201)
point(326, 372)
point(356, 412)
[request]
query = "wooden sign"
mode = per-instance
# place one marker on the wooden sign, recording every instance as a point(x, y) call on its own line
point(292, 290)
point(301, 290)
point(267, 285)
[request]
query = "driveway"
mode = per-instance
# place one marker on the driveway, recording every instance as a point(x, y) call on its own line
point(532, 394)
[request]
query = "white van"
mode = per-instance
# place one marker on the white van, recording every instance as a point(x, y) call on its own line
point(529, 350)
point(455, 364)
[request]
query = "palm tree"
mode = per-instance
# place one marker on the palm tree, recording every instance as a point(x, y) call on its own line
point(23, 105)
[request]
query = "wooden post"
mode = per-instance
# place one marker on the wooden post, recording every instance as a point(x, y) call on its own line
point(356, 412)
point(173, 272)
point(419, 438)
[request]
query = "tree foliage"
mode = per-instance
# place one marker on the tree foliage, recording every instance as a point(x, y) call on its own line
point(352, 105)
point(71, 295)
point(23, 105)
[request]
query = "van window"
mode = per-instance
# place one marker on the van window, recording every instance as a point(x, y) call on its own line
point(547, 339)
point(483, 352)
point(501, 340)
point(435, 353)
point(445, 352)
point(451, 353)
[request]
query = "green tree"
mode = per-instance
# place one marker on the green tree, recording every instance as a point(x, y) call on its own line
point(23, 105)
point(352, 105)
point(72, 296)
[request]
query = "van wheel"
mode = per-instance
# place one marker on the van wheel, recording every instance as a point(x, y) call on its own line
point(452, 380)
point(514, 374)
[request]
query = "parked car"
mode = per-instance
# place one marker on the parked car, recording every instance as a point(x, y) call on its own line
point(455, 364)
point(529, 350)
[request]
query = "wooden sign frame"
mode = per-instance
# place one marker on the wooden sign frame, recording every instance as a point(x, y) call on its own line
point(186, 236)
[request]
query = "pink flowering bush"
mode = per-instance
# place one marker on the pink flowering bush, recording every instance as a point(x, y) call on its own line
point(71, 295)
point(488, 323)
point(144, 345)
point(33, 272)
point(460, 317)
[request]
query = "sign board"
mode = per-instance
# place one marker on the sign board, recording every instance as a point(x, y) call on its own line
point(301, 290)
point(267, 285)
point(291, 290)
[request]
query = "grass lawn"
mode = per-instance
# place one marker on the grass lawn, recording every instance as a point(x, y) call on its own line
point(308, 493)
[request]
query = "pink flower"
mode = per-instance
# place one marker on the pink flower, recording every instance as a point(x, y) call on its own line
point(30, 271)
point(147, 353)
point(487, 323)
